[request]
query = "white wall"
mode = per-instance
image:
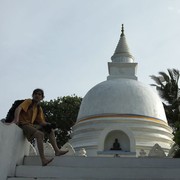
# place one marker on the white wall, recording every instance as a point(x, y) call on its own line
point(13, 147)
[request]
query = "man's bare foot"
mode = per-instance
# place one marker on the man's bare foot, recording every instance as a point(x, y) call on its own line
point(45, 162)
point(60, 153)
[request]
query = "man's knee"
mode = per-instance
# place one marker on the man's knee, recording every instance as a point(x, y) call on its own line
point(39, 135)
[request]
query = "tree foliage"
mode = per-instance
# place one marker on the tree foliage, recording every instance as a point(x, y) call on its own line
point(168, 89)
point(167, 85)
point(63, 111)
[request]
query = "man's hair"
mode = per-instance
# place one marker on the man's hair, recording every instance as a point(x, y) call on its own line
point(38, 90)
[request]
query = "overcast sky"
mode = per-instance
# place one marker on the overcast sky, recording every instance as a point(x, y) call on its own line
point(63, 46)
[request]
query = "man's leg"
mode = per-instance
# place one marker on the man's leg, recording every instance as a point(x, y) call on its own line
point(53, 142)
point(39, 138)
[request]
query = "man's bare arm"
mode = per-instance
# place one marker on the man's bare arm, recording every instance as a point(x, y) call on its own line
point(16, 114)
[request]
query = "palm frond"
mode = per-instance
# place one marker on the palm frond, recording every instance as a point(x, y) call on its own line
point(153, 85)
point(176, 74)
point(165, 76)
point(171, 74)
point(178, 93)
point(157, 80)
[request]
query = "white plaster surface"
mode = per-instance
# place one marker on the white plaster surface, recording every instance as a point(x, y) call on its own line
point(121, 96)
point(48, 149)
point(121, 107)
point(68, 146)
point(100, 168)
point(13, 147)
point(98, 134)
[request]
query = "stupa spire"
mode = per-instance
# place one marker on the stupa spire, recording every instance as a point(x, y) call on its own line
point(122, 30)
point(122, 53)
point(122, 65)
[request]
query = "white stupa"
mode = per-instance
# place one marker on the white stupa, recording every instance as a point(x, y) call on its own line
point(121, 108)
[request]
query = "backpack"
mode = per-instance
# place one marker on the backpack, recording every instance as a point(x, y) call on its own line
point(10, 114)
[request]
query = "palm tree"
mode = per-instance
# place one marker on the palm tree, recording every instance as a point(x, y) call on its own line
point(167, 87)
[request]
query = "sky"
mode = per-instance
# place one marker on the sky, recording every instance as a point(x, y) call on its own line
point(64, 46)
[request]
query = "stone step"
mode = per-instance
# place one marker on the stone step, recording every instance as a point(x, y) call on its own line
point(98, 168)
point(95, 173)
point(78, 161)
point(92, 179)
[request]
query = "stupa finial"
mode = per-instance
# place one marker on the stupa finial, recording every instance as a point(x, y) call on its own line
point(122, 30)
point(122, 53)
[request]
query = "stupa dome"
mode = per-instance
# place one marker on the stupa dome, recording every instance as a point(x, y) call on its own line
point(121, 108)
point(121, 97)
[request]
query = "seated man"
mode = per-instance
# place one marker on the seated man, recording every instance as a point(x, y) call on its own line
point(26, 115)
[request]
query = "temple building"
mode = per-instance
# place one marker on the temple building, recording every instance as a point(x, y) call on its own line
point(121, 108)
point(118, 117)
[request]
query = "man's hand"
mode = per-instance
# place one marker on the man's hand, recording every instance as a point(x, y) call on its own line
point(16, 121)
point(48, 127)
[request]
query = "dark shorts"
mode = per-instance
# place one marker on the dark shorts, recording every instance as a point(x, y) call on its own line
point(29, 130)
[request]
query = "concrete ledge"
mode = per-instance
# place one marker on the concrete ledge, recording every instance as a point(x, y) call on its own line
point(13, 147)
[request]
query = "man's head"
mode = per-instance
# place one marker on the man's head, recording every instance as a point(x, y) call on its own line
point(38, 94)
